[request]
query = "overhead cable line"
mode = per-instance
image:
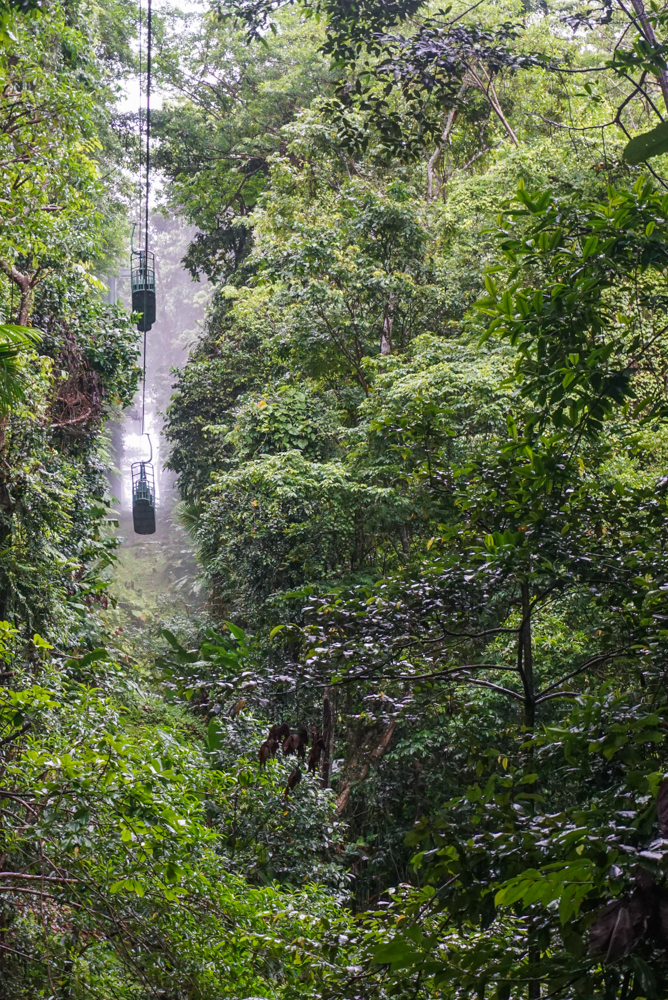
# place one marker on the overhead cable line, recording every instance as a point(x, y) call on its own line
point(142, 272)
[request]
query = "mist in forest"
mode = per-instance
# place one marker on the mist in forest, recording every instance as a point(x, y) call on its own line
point(181, 305)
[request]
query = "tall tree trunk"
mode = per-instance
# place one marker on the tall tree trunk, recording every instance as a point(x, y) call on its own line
point(525, 659)
point(386, 335)
point(357, 771)
point(328, 707)
point(359, 542)
point(650, 36)
point(25, 285)
point(24, 308)
point(534, 990)
point(444, 140)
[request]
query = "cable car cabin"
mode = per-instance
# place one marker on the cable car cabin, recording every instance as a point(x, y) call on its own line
point(142, 277)
point(143, 498)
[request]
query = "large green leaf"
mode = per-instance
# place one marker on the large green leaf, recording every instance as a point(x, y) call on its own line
point(651, 143)
point(13, 340)
point(396, 952)
point(214, 736)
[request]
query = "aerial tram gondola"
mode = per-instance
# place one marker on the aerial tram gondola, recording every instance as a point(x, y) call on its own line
point(142, 279)
point(143, 495)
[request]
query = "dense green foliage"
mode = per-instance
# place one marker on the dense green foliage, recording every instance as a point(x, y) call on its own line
point(421, 446)
point(60, 225)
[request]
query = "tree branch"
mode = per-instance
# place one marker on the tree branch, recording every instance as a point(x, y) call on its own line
point(495, 687)
point(601, 658)
point(16, 735)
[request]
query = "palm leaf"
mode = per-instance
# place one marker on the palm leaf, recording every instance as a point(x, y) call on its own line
point(188, 514)
point(13, 340)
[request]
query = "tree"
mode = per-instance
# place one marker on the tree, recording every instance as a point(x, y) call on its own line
point(538, 526)
point(451, 550)
point(220, 132)
point(50, 179)
point(351, 268)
